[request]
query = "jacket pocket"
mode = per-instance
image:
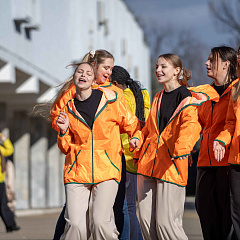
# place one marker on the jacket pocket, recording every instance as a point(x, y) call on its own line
point(175, 166)
point(144, 152)
point(110, 160)
point(74, 162)
point(173, 162)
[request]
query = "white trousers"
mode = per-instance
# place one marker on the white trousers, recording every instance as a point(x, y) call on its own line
point(77, 207)
point(161, 207)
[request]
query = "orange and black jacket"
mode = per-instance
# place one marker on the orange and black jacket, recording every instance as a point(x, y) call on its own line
point(212, 116)
point(230, 136)
point(176, 140)
point(94, 155)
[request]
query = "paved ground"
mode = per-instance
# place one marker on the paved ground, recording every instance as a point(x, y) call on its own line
point(39, 225)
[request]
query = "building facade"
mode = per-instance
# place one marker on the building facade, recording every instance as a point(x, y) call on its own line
point(38, 39)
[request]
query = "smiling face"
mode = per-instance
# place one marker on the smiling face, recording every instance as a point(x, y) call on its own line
point(104, 70)
point(165, 72)
point(84, 77)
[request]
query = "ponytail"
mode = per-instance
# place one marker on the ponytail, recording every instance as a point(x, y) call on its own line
point(121, 76)
point(136, 89)
point(184, 76)
point(97, 57)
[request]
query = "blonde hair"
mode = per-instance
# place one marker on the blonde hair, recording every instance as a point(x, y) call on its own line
point(184, 75)
point(46, 109)
point(97, 57)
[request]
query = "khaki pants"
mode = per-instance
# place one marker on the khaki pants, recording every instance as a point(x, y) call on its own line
point(77, 206)
point(161, 207)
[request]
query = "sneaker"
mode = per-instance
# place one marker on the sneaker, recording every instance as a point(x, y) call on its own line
point(13, 228)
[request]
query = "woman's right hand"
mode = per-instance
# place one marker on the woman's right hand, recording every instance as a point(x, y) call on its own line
point(219, 150)
point(63, 122)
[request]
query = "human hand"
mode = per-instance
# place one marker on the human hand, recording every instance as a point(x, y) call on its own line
point(133, 143)
point(63, 122)
point(219, 150)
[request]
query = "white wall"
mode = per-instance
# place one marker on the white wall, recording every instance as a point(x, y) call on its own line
point(30, 65)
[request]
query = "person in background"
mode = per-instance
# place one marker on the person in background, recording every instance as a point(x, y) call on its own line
point(229, 137)
point(6, 149)
point(212, 183)
point(138, 102)
point(10, 183)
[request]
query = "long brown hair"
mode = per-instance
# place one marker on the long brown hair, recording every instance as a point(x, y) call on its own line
point(226, 54)
point(66, 85)
point(236, 88)
point(184, 75)
point(46, 109)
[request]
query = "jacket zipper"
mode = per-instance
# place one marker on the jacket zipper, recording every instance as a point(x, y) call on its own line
point(158, 135)
point(92, 158)
point(213, 104)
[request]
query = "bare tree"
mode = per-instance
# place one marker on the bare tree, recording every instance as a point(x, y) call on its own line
point(226, 13)
point(167, 38)
point(192, 52)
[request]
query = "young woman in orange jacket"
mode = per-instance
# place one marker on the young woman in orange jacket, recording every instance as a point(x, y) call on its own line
point(171, 131)
point(89, 135)
point(103, 62)
point(229, 137)
point(212, 184)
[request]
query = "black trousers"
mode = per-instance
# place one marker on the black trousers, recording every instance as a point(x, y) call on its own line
point(234, 178)
point(5, 212)
point(213, 202)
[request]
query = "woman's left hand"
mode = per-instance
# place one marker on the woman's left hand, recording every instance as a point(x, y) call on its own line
point(133, 143)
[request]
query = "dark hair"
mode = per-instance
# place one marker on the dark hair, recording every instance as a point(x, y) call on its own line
point(184, 75)
point(121, 76)
point(236, 88)
point(97, 57)
point(226, 54)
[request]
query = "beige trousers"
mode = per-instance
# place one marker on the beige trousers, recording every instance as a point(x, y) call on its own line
point(161, 207)
point(77, 207)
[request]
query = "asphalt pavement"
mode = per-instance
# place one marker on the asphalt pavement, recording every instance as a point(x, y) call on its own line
point(40, 224)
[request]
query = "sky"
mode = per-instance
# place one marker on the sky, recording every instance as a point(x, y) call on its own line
point(193, 15)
